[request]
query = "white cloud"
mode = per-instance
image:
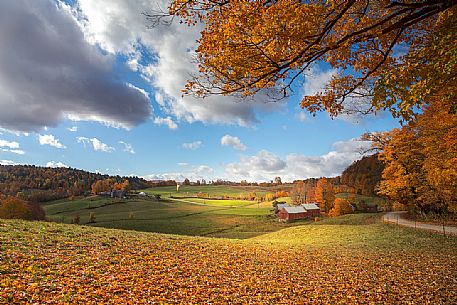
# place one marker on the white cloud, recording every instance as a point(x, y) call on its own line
point(83, 140)
point(17, 151)
point(168, 121)
point(232, 141)
point(316, 80)
point(100, 146)
point(11, 145)
point(49, 72)
point(96, 144)
point(192, 145)
point(118, 27)
point(191, 172)
point(264, 166)
point(127, 147)
point(73, 129)
point(55, 164)
point(8, 162)
point(49, 139)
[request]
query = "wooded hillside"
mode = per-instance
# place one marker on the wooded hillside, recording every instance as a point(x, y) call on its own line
point(364, 175)
point(43, 183)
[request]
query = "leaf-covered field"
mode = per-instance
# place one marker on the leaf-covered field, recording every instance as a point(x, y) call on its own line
point(56, 263)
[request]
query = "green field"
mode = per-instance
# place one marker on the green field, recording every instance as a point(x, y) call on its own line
point(187, 216)
point(221, 203)
point(212, 190)
point(179, 213)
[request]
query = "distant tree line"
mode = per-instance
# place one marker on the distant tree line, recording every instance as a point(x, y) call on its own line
point(41, 184)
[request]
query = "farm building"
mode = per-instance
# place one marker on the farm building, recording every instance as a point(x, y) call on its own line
point(279, 206)
point(288, 213)
point(114, 193)
point(312, 209)
point(292, 213)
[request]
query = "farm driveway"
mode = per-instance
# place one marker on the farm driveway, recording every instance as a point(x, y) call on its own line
point(395, 217)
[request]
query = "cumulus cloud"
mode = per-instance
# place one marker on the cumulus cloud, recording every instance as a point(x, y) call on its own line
point(316, 80)
point(96, 144)
point(73, 129)
point(168, 121)
point(8, 144)
point(256, 167)
point(11, 147)
point(49, 72)
point(127, 147)
point(15, 151)
point(232, 141)
point(191, 172)
point(8, 162)
point(121, 29)
point(192, 145)
point(55, 164)
point(265, 165)
point(49, 139)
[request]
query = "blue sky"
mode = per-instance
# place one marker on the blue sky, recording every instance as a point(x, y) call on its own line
point(101, 92)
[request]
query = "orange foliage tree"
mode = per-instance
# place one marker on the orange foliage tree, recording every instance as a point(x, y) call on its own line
point(104, 185)
point(421, 161)
point(383, 51)
point(325, 194)
point(16, 208)
point(341, 207)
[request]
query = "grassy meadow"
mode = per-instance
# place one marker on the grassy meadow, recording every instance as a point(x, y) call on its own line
point(183, 216)
point(180, 212)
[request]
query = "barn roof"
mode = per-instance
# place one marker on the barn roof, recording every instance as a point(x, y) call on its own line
point(295, 210)
point(310, 206)
point(282, 205)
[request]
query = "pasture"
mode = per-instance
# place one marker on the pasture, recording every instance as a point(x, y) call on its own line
point(189, 216)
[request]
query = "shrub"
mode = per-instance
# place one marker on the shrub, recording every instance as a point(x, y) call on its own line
point(16, 208)
point(341, 207)
point(76, 220)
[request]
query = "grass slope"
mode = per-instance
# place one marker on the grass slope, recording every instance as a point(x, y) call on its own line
point(57, 263)
point(212, 190)
point(169, 216)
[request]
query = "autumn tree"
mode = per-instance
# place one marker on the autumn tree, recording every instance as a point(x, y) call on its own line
point(297, 193)
point(364, 175)
point(269, 197)
point(387, 54)
point(103, 186)
point(341, 207)
point(325, 194)
point(16, 208)
point(421, 168)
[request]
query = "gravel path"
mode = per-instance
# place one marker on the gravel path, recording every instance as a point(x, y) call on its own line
point(395, 217)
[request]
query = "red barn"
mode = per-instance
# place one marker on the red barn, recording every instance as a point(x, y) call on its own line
point(312, 209)
point(292, 213)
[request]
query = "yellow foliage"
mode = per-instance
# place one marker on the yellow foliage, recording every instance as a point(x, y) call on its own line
point(388, 54)
point(341, 207)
